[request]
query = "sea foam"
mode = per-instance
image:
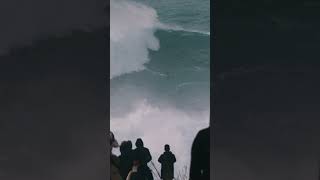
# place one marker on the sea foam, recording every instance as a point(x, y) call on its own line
point(132, 27)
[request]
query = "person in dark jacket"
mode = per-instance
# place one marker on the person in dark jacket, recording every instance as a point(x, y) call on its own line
point(200, 156)
point(143, 156)
point(114, 160)
point(126, 158)
point(167, 160)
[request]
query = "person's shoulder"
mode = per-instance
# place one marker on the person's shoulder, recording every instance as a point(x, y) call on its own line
point(135, 150)
point(205, 131)
point(202, 137)
point(172, 154)
point(114, 156)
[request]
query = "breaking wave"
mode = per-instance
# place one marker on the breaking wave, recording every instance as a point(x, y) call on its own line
point(132, 27)
point(132, 35)
point(157, 93)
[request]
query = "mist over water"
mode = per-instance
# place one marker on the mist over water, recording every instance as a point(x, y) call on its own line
point(132, 35)
point(159, 78)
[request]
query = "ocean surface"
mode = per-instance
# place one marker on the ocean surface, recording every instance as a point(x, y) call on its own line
point(160, 73)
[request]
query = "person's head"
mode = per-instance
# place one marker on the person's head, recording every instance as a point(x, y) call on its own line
point(123, 147)
point(129, 145)
point(139, 143)
point(113, 141)
point(167, 147)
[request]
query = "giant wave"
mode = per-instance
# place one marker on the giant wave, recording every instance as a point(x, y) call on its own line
point(151, 86)
point(132, 35)
point(132, 28)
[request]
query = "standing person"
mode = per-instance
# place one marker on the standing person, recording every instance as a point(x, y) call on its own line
point(200, 156)
point(115, 162)
point(126, 158)
point(167, 160)
point(143, 156)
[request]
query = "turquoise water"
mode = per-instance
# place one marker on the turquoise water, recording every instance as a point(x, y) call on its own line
point(190, 14)
point(180, 70)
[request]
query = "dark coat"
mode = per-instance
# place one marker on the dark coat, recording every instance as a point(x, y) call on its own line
point(143, 155)
point(167, 160)
point(126, 162)
point(200, 156)
point(114, 168)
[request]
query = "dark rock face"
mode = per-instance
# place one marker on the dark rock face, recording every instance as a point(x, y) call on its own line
point(53, 108)
point(266, 95)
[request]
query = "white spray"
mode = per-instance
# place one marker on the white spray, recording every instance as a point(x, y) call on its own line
point(132, 27)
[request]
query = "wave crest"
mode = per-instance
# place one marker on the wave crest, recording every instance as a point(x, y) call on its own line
point(132, 27)
point(172, 27)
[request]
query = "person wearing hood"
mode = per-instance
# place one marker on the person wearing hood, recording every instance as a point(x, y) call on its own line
point(200, 156)
point(143, 157)
point(126, 158)
point(167, 160)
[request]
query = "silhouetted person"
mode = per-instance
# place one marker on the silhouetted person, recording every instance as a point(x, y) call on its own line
point(200, 156)
point(115, 162)
point(318, 169)
point(126, 158)
point(167, 160)
point(143, 156)
point(129, 143)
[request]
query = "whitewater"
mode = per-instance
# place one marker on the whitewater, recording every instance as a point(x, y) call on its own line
point(159, 76)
